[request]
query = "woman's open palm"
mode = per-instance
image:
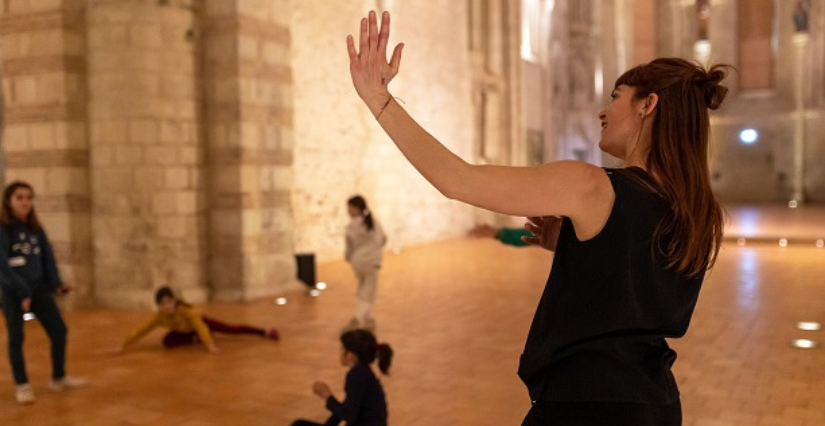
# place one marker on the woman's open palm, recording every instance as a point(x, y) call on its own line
point(370, 71)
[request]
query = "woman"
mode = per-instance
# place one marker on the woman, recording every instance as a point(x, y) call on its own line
point(632, 244)
point(365, 241)
point(29, 279)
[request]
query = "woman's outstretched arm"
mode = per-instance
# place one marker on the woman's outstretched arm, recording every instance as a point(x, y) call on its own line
point(567, 188)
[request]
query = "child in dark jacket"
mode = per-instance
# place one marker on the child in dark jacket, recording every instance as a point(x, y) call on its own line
point(365, 404)
point(29, 279)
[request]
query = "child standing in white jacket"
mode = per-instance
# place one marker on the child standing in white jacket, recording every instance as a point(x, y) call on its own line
point(364, 246)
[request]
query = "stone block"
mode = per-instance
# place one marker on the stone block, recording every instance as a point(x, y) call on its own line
point(128, 155)
point(24, 91)
point(161, 155)
point(48, 42)
point(70, 135)
point(144, 131)
point(177, 178)
point(110, 132)
point(42, 136)
point(165, 203)
point(224, 179)
point(112, 180)
point(102, 156)
point(149, 179)
point(187, 202)
point(66, 180)
point(16, 138)
point(36, 177)
point(174, 227)
point(225, 223)
point(57, 225)
point(52, 88)
point(178, 86)
point(145, 36)
point(190, 156)
point(110, 38)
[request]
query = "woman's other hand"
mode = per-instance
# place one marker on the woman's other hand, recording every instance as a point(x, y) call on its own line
point(545, 231)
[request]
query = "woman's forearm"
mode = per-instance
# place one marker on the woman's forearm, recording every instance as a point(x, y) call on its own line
point(443, 169)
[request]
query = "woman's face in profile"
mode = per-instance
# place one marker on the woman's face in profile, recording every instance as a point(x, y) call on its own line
point(620, 121)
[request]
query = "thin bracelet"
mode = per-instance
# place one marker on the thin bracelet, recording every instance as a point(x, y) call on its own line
point(383, 108)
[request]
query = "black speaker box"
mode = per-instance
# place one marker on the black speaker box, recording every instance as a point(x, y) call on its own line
point(306, 268)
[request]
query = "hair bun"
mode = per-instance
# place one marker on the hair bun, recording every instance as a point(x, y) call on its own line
point(714, 91)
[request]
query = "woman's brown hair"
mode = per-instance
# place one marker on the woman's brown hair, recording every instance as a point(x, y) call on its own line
point(7, 216)
point(690, 235)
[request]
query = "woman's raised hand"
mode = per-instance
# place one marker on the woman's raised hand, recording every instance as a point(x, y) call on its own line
point(368, 66)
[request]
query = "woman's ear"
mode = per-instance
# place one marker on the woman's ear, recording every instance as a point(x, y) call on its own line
point(650, 104)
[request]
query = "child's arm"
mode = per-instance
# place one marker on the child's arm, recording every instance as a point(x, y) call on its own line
point(196, 320)
point(141, 331)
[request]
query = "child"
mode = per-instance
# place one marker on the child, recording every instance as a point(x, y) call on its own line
point(187, 325)
point(365, 404)
point(364, 243)
point(29, 279)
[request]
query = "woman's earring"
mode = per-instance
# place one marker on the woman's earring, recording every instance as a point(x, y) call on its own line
point(641, 114)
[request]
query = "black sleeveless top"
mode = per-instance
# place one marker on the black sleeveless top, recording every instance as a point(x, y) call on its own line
point(598, 333)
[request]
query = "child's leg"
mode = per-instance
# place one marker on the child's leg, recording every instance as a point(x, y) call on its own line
point(221, 327)
point(46, 310)
point(367, 283)
point(14, 325)
point(173, 339)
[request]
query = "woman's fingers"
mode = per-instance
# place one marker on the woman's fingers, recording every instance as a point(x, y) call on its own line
point(353, 54)
point(395, 61)
point(373, 31)
point(384, 34)
point(364, 38)
point(530, 240)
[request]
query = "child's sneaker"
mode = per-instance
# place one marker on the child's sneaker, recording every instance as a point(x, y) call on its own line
point(24, 394)
point(68, 382)
point(273, 334)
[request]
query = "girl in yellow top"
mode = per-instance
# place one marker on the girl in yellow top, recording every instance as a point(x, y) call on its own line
point(187, 326)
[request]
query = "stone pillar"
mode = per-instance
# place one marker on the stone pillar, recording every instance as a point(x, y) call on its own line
point(148, 209)
point(45, 144)
point(248, 133)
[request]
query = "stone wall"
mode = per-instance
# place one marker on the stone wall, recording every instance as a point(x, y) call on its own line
point(249, 141)
point(339, 148)
point(45, 143)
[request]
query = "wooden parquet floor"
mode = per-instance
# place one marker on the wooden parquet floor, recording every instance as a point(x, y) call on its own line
point(456, 313)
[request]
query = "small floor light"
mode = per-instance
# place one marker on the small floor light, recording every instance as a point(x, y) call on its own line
point(321, 286)
point(809, 325)
point(741, 241)
point(783, 242)
point(315, 292)
point(820, 243)
point(280, 301)
point(804, 343)
point(793, 204)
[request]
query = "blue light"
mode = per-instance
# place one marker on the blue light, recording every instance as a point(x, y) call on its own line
point(748, 136)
